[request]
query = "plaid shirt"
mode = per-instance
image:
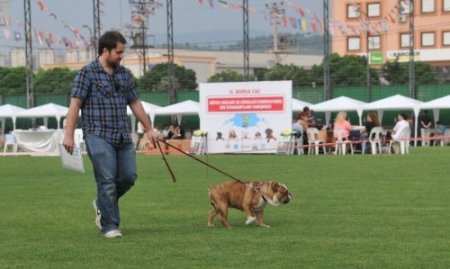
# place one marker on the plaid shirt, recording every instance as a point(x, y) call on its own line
point(105, 99)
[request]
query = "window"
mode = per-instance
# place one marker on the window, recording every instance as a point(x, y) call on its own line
point(446, 38)
point(428, 39)
point(373, 10)
point(405, 40)
point(446, 5)
point(428, 6)
point(353, 43)
point(353, 11)
point(374, 42)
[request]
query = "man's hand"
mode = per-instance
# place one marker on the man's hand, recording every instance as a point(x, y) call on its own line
point(153, 136)
point(68, 143)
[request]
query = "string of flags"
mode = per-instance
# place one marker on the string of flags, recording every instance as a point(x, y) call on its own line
point(44, 37)
point(302, 19)
point(307, 21)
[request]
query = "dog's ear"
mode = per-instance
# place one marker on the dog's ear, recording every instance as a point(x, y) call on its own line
point(274, 186)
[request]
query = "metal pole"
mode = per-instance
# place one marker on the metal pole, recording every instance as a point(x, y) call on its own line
point(412, 86)
point(369, 89)
point(29, 54)
point(246, 42)
point(326, 52)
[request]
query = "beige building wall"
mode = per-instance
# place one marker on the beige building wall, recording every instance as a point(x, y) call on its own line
point(388, 33)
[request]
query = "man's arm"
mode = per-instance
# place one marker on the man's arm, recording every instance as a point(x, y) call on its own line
point(71, 121)
point(139, 113)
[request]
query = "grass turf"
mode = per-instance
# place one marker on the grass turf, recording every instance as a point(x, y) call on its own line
point(355, 211)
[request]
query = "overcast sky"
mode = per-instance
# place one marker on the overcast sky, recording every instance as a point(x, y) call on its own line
point(191, 19)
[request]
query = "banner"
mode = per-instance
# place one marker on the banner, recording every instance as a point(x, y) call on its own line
point(245, 117)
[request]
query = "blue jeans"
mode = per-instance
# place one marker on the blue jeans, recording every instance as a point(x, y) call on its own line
point(115, 172)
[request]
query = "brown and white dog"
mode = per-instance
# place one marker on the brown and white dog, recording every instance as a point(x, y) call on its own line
point(250, 197)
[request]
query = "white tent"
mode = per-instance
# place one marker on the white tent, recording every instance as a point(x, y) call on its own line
point(436, 105)
point(396, 102)
point(341, 103)
point(45, 111)
point(187, 107)
point(298, 105)
point(9, 111)
point(149, 109)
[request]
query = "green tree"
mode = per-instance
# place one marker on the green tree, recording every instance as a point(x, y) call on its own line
point(13, 81)
point(299, 76)
point(55, 81)
point(156, 79)
point(226, 76)
point(347, 70)
point(398, 73)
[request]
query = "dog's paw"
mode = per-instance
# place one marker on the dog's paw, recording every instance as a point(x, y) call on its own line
point(250, 220)
point(210, 225)
point(264, 226)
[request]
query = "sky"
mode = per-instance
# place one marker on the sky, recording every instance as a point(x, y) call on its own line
point(193, 21)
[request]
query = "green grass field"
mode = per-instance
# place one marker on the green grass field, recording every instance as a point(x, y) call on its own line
point(355, 211)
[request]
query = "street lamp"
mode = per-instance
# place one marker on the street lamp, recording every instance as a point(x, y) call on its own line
point(91, 39)
point(366, 18)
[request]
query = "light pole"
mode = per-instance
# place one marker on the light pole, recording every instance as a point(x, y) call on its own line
point(366, 21)
point(91, 40)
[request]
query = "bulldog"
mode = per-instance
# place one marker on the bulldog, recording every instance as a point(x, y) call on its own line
point(250, 197)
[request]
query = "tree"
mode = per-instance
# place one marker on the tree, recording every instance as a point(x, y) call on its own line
point(13, 81)
point(156, 79)
point(298, 75)
point(398, 73)
point(347, 70)
point(226, 76)
point(56, 80)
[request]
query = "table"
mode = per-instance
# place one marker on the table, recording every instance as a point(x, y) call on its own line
point(38, 140)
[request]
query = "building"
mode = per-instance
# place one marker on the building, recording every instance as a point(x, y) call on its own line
point(204, 63)
point(381, 29)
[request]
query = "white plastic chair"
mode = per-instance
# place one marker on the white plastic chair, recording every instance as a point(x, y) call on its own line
point(341, 144)
point(403, 140)
point(375, 140)
point(314, 140)
point(10, 140)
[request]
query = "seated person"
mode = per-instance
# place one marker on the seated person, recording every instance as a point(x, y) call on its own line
point(178, 132)
point(342, 126)
point(400, 130)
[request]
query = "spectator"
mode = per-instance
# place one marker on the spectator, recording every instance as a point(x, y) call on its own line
point(425, 128)
point(400, 131)
point(341, 123)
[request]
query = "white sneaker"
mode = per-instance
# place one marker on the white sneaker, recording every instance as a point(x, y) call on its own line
point(113, 234)
point(98, 215)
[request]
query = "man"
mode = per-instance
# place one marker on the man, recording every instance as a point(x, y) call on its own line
point(102, 90)
point(425, 128)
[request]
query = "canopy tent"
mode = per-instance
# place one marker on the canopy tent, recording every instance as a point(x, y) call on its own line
point(298, 105)
point(396, 102)
point(45, 111)
point(436, 105)
point(341, 103)
point(187, 107)
point(149, 109)
point(9, 111)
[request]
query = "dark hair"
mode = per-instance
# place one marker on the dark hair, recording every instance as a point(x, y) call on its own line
point(403, 116)
point(109, 41)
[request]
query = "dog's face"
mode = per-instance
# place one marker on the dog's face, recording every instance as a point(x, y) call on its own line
point(276, 193)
